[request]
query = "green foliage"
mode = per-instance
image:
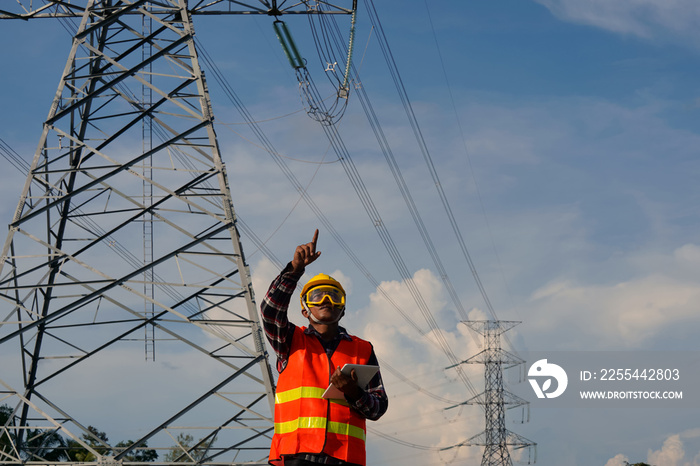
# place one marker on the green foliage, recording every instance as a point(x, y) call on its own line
point(187, 450)
point(44, 445)
point(49, 445)
point(98, 440)
point(5, 439)
point(139, 454)
point(37, 444)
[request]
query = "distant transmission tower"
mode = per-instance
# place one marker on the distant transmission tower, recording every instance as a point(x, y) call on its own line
point(125, 227)
point(495, 398)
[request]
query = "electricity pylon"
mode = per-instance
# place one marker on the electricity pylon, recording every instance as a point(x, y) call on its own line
point(125, 234)
point(495, 399)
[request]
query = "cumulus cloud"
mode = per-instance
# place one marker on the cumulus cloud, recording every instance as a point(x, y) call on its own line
point(618, 460)
point(629, 312)
point(417, 381)
point(643, 18)
point(672, 452)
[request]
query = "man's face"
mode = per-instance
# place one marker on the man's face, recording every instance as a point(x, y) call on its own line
point(326, 303)
point(326, 312)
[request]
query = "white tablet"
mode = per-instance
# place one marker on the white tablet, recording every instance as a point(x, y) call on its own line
point(364, 375)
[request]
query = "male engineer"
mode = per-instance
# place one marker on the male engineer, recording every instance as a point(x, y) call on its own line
point(311, 430)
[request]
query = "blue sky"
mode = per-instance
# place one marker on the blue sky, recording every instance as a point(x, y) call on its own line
point(565, 136)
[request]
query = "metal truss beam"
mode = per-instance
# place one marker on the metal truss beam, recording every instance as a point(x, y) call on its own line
point(28, 9)
point(73, 279)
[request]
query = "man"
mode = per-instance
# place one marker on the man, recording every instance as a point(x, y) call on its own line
point(311, 430)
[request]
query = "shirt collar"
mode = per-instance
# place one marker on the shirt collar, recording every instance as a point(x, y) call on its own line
point(342, 333)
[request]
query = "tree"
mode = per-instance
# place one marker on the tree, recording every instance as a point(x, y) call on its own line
point(184, 451)
point(99, 442)
point(49, 445)
point(44, 445)
point(140, 454)
point(5, 438)
point(39, 444)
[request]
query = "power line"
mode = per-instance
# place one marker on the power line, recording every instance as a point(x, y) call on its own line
point(398, 82)
point(466, 151)
point(388, 368)
point(370, 208)
point(385, 147)
point(270, 149)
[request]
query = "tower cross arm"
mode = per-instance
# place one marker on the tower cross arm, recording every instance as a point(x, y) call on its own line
point(26, 10)
point(271, 7)
point(511, 438)
point(509, 400)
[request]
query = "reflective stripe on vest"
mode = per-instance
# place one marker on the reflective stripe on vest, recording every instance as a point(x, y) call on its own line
point(303, 392)
point(337, 428)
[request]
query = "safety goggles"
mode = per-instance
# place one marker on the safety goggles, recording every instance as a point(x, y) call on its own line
point(317, 295)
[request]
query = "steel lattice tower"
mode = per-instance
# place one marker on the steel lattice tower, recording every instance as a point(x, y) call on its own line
point(125, 234)
point(495, 398)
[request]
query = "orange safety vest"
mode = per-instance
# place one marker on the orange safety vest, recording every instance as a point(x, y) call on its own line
point(305, 422)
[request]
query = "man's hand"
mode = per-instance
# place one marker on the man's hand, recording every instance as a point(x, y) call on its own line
point(305, 254)
point(347, 385)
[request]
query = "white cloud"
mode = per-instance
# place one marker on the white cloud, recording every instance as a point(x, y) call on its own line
point(262, 275)
point(419, 415)
point(673, 452)
point(670, 454)
point(627, 313)
point(643, 18)
point(687, 256)
point(618, 460)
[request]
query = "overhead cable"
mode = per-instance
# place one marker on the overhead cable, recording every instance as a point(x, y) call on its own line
point(385, 147)
point(370, 208)
point(464, 143)
point(269, 148)
point(398, 82)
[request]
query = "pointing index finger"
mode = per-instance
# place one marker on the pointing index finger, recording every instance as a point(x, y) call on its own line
point(314, 241)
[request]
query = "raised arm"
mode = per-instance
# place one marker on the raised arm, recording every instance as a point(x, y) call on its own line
point(275, 304)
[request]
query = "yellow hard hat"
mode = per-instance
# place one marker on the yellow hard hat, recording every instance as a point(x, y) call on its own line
point(321, 279)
